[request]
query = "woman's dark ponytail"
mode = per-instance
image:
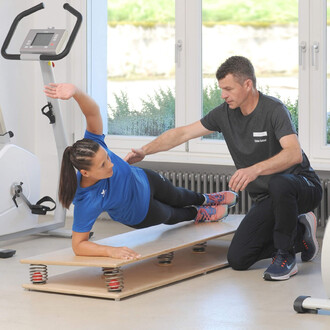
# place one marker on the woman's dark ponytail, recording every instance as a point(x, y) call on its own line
point(79, 156)
point(68, 180)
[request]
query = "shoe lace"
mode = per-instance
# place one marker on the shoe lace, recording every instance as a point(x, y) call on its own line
point(216, 198)
point(205, 214)
point(280, 260)
point(305, 245)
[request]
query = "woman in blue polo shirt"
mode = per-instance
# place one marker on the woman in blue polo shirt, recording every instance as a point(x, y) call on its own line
point(95, 180)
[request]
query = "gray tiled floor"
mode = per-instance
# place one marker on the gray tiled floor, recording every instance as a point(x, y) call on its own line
point(223, 299)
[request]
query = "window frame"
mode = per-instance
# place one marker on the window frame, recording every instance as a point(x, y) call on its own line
point(319, 149)
point(312, 89)
point(123, 144)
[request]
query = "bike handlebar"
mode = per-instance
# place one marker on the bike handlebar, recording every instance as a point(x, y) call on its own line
point(42, 57)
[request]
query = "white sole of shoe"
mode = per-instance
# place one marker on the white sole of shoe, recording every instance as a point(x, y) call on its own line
point(293, 271)
point(312, 223)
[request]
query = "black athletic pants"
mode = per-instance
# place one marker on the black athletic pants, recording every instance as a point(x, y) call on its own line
point(272, 223)
point(169, 204)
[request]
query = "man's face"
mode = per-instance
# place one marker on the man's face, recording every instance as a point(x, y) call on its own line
point(232, 91)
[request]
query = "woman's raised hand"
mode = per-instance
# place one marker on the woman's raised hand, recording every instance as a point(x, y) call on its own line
point(60, 91)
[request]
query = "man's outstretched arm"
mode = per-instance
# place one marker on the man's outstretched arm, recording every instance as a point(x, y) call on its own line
point(167, 141)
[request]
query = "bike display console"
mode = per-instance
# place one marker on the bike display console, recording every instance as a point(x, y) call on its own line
point(45, 41)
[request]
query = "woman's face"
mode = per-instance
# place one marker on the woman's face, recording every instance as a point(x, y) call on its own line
point(102, 167)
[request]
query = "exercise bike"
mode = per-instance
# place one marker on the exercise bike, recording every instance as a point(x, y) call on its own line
point(20, 169)
point(307, 304)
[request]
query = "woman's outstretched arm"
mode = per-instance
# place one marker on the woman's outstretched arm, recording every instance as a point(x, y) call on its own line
point(87, 105)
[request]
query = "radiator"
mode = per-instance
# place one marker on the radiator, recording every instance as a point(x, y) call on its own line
point(209, 183)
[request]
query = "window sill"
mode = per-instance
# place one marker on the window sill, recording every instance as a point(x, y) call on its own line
point(183, 157)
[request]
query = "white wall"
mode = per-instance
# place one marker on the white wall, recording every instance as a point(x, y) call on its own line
point(21, 86)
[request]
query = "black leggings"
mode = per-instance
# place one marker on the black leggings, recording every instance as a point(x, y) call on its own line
point(272, 223)
point(169, 204)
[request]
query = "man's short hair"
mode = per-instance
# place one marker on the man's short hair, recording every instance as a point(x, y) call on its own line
point(240, 67)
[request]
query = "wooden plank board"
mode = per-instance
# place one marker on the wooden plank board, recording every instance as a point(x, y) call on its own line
point(140, 276)
point(149, 242)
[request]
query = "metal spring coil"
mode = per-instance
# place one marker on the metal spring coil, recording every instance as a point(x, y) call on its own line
point(114, 279)
point(38, 274)
point(200, 247)
point(165, 259)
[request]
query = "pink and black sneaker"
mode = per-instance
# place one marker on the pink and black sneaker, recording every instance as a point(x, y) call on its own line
point(229, 198)
point(211, 213)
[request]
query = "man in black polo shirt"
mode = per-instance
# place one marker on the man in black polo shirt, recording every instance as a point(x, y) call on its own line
point(271, 166)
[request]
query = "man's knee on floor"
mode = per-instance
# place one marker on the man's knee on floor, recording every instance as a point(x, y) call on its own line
point(237, 262)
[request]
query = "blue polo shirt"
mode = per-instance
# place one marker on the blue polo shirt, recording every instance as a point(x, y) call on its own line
point(125, 195)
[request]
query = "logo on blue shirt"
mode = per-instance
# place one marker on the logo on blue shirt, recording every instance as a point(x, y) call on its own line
point(103, 192)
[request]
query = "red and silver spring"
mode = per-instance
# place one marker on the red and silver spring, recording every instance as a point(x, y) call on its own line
point(38, 274)
point(114, 278)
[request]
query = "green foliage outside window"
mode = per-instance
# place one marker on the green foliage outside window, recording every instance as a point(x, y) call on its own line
point(245, 12)
point(158, 112)
point(156, 116)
